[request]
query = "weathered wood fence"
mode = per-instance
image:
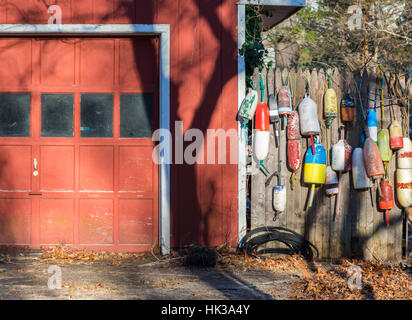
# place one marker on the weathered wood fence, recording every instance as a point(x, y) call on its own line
point(360, 230)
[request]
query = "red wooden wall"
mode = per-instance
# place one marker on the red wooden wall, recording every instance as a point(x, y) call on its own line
point(203, 95)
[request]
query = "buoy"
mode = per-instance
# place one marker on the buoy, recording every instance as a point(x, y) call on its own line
point(372, 123)
point(386, 202)
point(372, 160)
point(404, 187)
point(341, 154)
point(371, 119)
point(359, 176)
point(332, 182)
point(293, 132)
point(314, 170)
point(248, 107)
point(405, 155)
point(330, 103)
point(262, 134)
point(383, 136)
point(383, 145)
point(284, 102)
point(279, 198)
point(294, 159)
point(308, 119)
point(293, 154)
point(274, 116)
point(348, 108)
point(341, 162)
point(396, 137)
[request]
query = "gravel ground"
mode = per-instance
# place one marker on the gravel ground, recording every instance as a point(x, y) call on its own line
point(26, 277)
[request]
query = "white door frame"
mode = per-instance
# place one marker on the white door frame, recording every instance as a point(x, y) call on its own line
point(161, 30)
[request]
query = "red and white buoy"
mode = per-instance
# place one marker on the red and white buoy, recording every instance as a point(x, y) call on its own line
point(261, 133)
point(294, 153)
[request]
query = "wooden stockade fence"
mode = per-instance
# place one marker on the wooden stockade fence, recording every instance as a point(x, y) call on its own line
point(360, 230)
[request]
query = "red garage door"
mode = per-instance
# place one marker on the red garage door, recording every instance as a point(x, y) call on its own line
point(76, 121)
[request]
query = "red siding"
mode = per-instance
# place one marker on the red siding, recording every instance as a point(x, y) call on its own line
point(203, 95)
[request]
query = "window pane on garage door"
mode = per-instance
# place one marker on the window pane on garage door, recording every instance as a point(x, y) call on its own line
point(136, 115)
point(15, 114)
point(57, 115)
point(96, 115)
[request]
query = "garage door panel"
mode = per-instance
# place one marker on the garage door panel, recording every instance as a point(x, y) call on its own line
point(56, 221)
point(96, 168)
point(135, 221)
point(57, 62)
point(137, 64)
point(57, 168)
point(15, 168)
point(96, 221)
point(15, 55)
point(135, 168)
point(15, 221)
point(97, 63)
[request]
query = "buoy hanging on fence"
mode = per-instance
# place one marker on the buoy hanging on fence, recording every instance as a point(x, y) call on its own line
point(330, 103)
point(372, 123)
point(279, 198)
point(383, 136)
point(372, 120)
point(396, 137)
point(314, 170)
point(284, 102)
point(372, 160)
point(248, 107)
point(308, 119)
point(341, 153)
point(294, 153)
point(386, 202)
point(293, 132)
point(262, 134)
point(348, 108)
point(294, 159)
point(404, 187)
point(359, 175)
point(341, 162)
point(405, 155)
point(383, 145)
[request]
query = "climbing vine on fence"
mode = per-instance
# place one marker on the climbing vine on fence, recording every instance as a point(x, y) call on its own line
point(253, 50)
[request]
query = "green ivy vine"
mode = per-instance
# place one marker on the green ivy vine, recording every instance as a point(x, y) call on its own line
point(253, 50)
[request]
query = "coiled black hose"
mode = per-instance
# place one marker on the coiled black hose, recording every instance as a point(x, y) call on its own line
point(296, 244)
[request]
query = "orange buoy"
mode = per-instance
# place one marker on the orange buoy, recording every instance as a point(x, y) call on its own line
point(372, 159)
point(386, 201)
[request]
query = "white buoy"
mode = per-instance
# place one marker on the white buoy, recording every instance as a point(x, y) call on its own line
point(404, 187)
point(279, 198)
point(248, 107)
point(359, 175)
point(405, 154)
point(261, 144)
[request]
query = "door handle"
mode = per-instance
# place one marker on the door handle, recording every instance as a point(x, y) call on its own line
point(35, 163)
